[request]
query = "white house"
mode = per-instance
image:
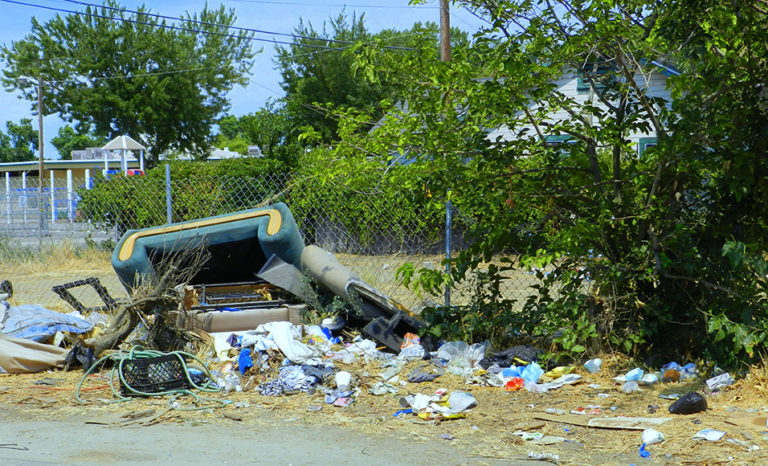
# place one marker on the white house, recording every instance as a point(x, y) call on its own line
point(573, 86)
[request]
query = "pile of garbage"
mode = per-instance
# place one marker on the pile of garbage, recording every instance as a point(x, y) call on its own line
point(32, 337)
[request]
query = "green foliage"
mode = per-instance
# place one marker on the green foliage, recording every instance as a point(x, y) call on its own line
point(270, 128)
point(162, 85)
point(19, 143)
point(632, 253)
point(318, 82)
point(487, 317)
point(78, 138)
point(199, 189)
point(365, 199)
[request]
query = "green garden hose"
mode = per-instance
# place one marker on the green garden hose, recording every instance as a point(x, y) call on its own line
point(138, 352)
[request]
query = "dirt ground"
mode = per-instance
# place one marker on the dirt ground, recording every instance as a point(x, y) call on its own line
point(42, 422)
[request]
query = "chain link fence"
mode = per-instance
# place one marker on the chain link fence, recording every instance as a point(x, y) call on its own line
point(66, 231)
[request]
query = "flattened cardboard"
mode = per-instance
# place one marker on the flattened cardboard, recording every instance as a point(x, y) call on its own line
point(623, 423)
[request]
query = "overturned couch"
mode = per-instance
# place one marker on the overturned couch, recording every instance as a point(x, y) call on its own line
point(254, 273)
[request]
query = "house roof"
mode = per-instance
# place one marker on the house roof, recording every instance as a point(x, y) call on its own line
point(123, 142)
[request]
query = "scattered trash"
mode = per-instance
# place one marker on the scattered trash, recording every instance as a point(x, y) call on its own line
point(588, 410)
point(649, 379)
point(627, 423)
point(559, 371)
point(670, 375)
point(419, 375)
point(554, 411)
point(673, 372)
point(722, 380)
point(630, 387)
point(643, 452)
point(446, 436)
point(651, 436)
point(634, 375)
point(689, 403)
point(515, 383)
point(553, 385)
point(410, 339)
point(36, 323)
point(343, 380)
point(521, 355)
point(710, 435)
point(743, 444)
point(593, 365)
point(530, 373)
point(652, 409)
point(670, 396)
point(383, 388)
point(438, 406)
point(544, 456)
point(63, 292)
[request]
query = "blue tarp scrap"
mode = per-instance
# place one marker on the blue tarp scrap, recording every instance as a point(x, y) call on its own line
point(34, 322)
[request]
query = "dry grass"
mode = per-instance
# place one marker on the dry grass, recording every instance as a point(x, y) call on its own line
point(487, 431)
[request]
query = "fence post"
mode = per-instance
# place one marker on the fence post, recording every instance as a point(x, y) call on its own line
point(24, 194)
point(168, 216)
point(70, 197)
point(448, 220)
point(8, 197)
point(53, 199)
point(87, 179)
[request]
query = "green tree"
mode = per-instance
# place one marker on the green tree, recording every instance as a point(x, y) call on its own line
point(663, 251)
point(132, 73)
point(19, 143)
point(70, 139)
point(318, 81)
point(270, 128)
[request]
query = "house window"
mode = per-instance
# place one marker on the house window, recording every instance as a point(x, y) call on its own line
point(557, 139)
point(645, 143)
point(583, 84)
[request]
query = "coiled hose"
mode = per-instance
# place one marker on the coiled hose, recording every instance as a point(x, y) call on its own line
point(139, 352)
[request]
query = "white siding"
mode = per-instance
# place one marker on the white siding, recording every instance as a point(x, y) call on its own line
point(654, 83)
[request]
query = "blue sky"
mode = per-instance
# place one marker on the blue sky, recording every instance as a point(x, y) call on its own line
point(272, 15)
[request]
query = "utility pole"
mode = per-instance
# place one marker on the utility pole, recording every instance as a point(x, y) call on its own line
point(445, 56)
point(41, 167)
point(445, 31)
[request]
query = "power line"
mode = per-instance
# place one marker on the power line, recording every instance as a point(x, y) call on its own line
point(177, 28)
point(351, 5)
point(205, 23)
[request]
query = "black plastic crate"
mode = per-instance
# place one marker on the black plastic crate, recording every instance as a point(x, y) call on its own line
point(153, 375)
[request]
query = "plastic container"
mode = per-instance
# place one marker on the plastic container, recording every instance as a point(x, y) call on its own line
point(153, 375)
point(634, 375)
point(343, 380)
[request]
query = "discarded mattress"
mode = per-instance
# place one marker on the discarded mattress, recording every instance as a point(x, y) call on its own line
point(240, 244)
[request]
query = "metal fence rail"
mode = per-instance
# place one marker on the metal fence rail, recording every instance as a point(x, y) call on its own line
point(373, 234)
